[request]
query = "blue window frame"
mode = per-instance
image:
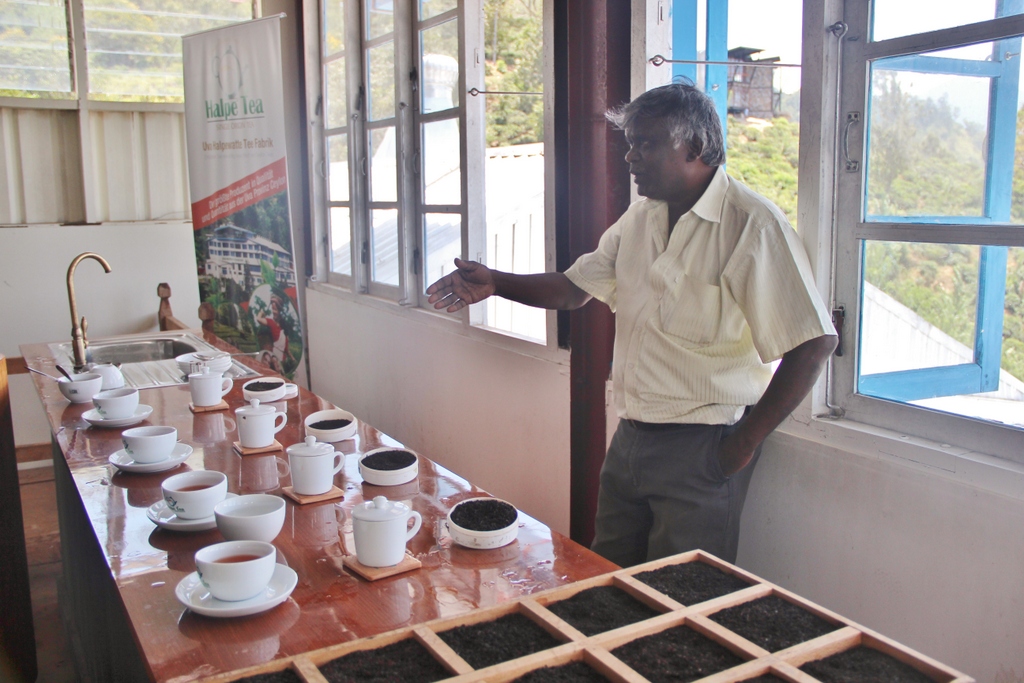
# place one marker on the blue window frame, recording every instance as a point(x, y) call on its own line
point(684, 47)
point(1002, 70)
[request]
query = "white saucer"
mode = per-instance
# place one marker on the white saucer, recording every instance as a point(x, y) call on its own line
point(162, 516)
point(194, 595)
point(124, 462)
point(94, 418)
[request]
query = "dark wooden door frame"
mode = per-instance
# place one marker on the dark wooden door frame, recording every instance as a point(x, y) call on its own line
point(591, 190)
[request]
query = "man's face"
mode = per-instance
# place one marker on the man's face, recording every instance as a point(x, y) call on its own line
point(660, 169)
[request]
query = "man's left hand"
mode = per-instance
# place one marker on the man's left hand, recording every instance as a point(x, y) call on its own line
point(735, 453)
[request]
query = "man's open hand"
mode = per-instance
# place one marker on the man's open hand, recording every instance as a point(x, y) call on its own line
point(469, 283)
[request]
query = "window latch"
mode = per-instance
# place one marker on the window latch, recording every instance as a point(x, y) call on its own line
point(838, 320)
point(416, 257)
point(364, 256)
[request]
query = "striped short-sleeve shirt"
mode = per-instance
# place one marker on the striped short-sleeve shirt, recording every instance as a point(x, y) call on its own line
point(701, 314)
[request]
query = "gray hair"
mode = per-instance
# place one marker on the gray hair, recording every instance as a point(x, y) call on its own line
point(689, 114)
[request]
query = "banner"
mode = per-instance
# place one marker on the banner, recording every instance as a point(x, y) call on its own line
point(238, 177)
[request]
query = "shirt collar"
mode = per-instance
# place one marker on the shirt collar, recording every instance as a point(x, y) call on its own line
point(709, 206)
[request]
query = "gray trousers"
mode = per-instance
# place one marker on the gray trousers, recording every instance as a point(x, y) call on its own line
point(663, 492)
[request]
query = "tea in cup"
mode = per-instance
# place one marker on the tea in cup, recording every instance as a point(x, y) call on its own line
point(257, 424)
point(313, 466)
point(193, 495)
point(149, 444)
point(381, 530)
point(236, 570)
point(208, 387)
point(116, 404)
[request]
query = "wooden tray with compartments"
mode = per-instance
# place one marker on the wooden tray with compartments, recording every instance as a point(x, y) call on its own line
point(598, 650)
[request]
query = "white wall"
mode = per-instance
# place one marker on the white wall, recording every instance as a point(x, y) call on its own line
point(936, 564)
point(494, 416)
point(34, 302)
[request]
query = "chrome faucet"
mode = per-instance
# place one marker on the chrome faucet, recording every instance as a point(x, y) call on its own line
point(78, 339)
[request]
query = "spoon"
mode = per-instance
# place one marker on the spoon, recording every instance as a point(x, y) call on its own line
point(44, 374)
point(65, 373)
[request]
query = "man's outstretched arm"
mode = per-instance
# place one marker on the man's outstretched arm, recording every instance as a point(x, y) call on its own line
point(472, 282)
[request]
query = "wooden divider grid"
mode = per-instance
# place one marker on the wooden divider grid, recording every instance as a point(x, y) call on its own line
point(595, 650)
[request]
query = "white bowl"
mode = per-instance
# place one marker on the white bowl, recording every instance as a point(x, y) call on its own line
point(194, 495)
point(482, 540)
point(389, 477)
point(268, 396)
point(255, 517)
point(219, 364)
point(331, 435)
point(81, 387)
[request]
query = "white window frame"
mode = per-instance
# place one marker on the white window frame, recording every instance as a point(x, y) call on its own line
point(948, 430)
point(408, 295)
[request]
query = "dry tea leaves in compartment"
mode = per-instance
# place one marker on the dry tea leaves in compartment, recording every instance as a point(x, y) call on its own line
point(601, 609)
point(405, 661)
point(677, 654)
point(327, 425)
point(486, 514)
point(773, 623)
point(493, 642)
point(863, 664)
point(692, 582)
point(389, 460)
point(577, 672)
point(283, 676)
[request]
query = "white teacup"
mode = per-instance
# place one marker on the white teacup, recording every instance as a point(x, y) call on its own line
point(208, 387)
point(114, 404)
point(81, 387)
point(313, 466)
point(381, 530)
point(236, 570)
point(149, 444)
point(193, 495)
point(257, 424)
point(256, 517)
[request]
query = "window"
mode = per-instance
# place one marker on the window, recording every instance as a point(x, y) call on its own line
point(131, 49)
point(433, 139)
point(930, 219)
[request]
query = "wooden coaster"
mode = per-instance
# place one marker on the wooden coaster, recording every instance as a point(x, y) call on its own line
point(272, 448)
point(407, 564)
point(223, 405)
point(335, 492)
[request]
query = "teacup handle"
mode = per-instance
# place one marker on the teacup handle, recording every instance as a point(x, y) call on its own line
point(284, 421)
point(417, 523)
point(283, 470)
point(226, 385)
point(229, 421)
point(340, 459)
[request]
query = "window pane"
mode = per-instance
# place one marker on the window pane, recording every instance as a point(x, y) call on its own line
point(334, 26)
point(430, 8)
point(335, 105)
point(442, 176)
point(927, 137)
point(134, 52)
point(919, 306)
point(923, 315)
point(337, 172)
point(442, 237)
point(439, 47)
point(34, 54)
point(893, 18)
point(380, 17)
point(383, 173)
point(341, 240)
point(381, 69)
point(385, 246)
point(515, 64)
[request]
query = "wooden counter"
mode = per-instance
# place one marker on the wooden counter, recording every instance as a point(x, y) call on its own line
point(120, 570)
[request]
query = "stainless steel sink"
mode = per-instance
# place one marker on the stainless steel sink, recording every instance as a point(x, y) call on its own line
point(147, 360)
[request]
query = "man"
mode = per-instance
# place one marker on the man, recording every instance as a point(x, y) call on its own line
point(710, 285)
